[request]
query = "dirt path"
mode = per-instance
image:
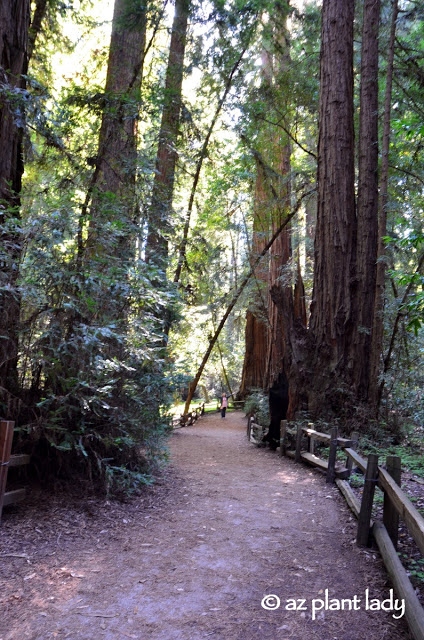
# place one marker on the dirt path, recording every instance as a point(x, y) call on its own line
point(231, 524)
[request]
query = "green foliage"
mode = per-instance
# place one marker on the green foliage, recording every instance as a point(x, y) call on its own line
point(413, 307)
point(257, 404)
point(96, 379)
point(415, 569)
point(91, 359)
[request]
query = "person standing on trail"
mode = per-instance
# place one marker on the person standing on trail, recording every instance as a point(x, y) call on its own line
point(224, 404)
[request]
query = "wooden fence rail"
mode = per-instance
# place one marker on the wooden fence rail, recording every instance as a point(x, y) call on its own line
point(330, 466)
point(396, 503)
point(7, 460)
point(190, 418)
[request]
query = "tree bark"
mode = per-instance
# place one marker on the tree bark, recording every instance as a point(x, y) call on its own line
point(335, 239)
point(14, 25)
point(257, 320)
point(367, 202)
point(376, 389)
point(163, 184)
point(115, 173)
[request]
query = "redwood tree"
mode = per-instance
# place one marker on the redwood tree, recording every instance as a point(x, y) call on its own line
point(113, 181)
point(14, 24)
point(166, 160)
point(257, 321)
point(335, 240)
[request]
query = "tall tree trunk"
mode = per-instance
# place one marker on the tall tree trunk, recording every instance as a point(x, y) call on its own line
point(163, 185)
point(113, 184)
point(280, 298)
point(367, 203)
point(257, 321)
point(376, 388)
point(14, 24)
point(281, 309)
point(335, 239)
point(111, 218)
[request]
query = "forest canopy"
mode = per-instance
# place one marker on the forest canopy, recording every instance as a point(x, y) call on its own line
point(198, 197)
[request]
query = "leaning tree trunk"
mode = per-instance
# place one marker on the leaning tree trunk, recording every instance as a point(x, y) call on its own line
point(166, 160)
point(36, 25)
point(14, 24)
point(203, 155)
point(193, 384)
point(367, 203)
point(335, 239)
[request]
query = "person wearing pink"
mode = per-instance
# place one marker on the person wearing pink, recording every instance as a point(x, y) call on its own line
point(224, 404)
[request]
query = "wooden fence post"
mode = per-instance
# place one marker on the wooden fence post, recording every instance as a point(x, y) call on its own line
point(249, 426)
point(6, 438)
point(390, 513)
point(283, 428)
point(311, 441)
point(299, 443)
point(364, 520)
point(331, 469)
point(349, 461)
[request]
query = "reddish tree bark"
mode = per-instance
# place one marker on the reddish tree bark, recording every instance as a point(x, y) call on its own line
point(335, 239)
point(14, 24)
point(257, 322)
point(239, 291)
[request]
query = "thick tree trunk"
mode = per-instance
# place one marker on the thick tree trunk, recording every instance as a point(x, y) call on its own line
point(367, 204)
point(257, 320)
point(272, 203)
point(163, 185)
point(254, 363)
point(376, 388)
point(111, 218)
point(14, 24)
point(280, 302)
point(335, 239)
point(281, 308)
point(114, 178)
point(279, 278)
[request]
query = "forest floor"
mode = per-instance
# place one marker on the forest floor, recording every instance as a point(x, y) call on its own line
point(193, 558)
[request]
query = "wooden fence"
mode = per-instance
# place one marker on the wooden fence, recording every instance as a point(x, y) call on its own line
point(190, 418)
point(396, 503)
point(6, 462)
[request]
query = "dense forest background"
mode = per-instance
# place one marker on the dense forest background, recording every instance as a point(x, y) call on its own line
point(207, 196)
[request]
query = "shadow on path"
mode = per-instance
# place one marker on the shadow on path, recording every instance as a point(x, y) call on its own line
point(235, 524)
